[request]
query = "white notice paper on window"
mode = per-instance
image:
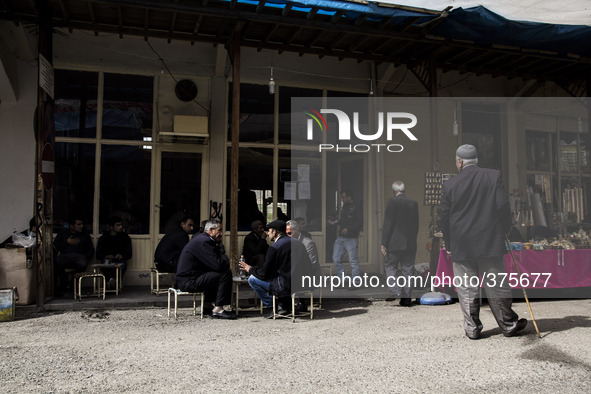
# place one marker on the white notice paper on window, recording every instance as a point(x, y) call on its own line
point(304, 190)
point(289, 191)
point(304, 173)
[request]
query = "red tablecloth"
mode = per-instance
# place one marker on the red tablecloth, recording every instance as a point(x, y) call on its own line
point(567, 268)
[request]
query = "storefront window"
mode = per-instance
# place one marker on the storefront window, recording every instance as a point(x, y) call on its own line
point(75, 103)
point(285, 95)
point(540, 151)
point(127, 107)
point(257, 114)
point(481, 124)
point(255, 186)
point(125, 187)
point(303, 195)
point(73, 191)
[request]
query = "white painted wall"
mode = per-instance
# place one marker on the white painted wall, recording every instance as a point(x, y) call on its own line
point(17, 158)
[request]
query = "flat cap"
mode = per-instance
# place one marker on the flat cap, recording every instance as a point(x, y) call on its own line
point(467, 152)
point(278, 225)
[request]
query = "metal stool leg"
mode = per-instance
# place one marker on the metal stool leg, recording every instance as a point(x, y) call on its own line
point(169, 291)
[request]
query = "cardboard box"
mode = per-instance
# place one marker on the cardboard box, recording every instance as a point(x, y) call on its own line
point(14, 273)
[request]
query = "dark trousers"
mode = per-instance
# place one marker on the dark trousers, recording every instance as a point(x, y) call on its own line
point(167, 267)
point(499, 297)
point(216, 286)
point(110, 272)
point(407, 266)
point(76, 261)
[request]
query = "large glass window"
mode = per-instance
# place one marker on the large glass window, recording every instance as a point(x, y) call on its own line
point(125, 187)
point(73, 191)
point(482, 128)
point(285, 95)
point(127, 107)
point(256, 114)
point(255, 186)
point(302, 193)
point(75, 103)
point(540, 151)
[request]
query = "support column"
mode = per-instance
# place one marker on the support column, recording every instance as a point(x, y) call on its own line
point(235, 58)
point(44, 160)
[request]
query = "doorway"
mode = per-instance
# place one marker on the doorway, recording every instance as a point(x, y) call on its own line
point(180, 187)
point(345, 172)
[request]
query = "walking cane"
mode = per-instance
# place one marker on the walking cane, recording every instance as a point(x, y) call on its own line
point(522, 288)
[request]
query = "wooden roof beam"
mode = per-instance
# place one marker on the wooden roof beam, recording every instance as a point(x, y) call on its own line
point(65, 13)
point(260, 6)
point(310, 15)
point(338, 15)
point(120, 21)
point(286, 9)
point(93, 18)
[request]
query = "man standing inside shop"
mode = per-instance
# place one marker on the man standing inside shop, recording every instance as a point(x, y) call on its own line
point(399, 242)
point(350, 225)
point(475, 215)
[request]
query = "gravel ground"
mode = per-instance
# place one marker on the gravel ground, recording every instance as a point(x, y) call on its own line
point(350, 346)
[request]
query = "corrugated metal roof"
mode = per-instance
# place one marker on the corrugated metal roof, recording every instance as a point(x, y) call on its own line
point(471, 40)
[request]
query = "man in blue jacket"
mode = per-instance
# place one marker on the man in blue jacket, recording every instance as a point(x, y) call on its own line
point(475, 216)
point(204, 267)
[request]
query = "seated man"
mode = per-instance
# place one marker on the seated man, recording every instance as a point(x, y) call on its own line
point(170, 247)
point(312, 269)
point(75, 251)
point(273, 278)
point(255, 245)
point(294, 231)
point(203, 267)
point(114, 245)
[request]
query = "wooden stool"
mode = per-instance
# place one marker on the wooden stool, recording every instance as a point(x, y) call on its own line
point(155, 276)
point(182, 293)
point(95, 275)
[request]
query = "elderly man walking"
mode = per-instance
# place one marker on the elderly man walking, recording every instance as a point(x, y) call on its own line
point(475, 215)
point(399, 242)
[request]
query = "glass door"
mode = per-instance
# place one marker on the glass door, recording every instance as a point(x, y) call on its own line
point(180, 187)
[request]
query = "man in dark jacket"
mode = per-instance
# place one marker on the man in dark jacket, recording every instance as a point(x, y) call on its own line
point(350, 225)
point(255, 244)
point(75, 251)
point(475, 215)
point(203, 267)
point(274, 277)
point(170, 246)
point(399, 241)
point(114, 245)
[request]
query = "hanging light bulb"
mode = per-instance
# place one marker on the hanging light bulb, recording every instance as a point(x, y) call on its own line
point(271, 83)
point(455, 126)
point(162, 66)
point(371, 87)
